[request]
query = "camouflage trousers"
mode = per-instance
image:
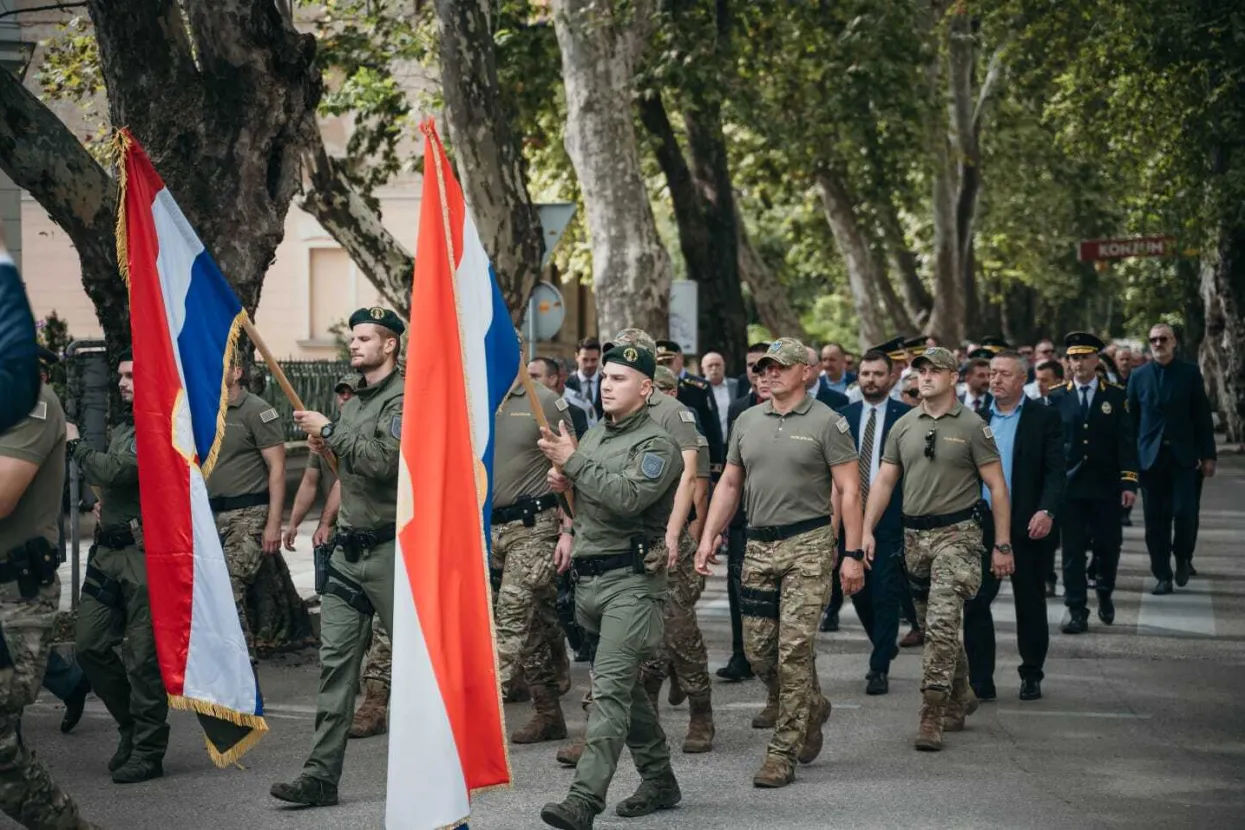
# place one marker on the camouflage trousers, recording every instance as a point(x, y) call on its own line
point(944, 571)
point(27, 792)
point(241, 534)
point(528, 634)
point(783, 589)
point(683, 647)
point(379, 663)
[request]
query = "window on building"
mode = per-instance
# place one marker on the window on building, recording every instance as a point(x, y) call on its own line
point(328, 291)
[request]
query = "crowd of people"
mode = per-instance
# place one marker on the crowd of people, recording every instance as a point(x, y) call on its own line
point(911, 480)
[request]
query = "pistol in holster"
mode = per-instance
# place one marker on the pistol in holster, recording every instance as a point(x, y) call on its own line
point(321, 555)
point(565, 607)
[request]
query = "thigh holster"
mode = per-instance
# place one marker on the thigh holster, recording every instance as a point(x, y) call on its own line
point(105, 589)
point(349, 592)
point(754, 602)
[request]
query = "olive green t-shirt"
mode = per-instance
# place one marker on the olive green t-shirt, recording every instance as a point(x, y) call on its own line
point(787, 460)
point(949, 482)
point(40, 440)
point(680, 423)
point(251, 425)
point(115, 473)
point(518, 464)
point(328, 478)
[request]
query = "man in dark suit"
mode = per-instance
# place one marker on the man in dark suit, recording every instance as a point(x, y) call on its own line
point(545, 370)
point(586, 381)
point(977, 383)
point(694, 393)
point(743, 383)
point(1176, 448)
point(1101, 458)
point(1029, 435)
point(878, 605)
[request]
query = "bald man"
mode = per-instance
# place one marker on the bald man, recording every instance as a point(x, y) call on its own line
point(724, 389)
point(819, 390)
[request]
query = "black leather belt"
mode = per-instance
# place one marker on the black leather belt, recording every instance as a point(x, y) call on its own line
point(776, 533)
point(934, 522)
point(597, 565)
point(525, 510)
point(355, 542)
point(115, 539)
point(220, 504)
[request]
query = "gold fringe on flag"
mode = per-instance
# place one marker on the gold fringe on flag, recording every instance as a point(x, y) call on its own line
point(256, 723)
point(121, 144)
point(231, 353)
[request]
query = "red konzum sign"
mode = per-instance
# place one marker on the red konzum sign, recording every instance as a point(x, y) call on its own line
point(1096, 249)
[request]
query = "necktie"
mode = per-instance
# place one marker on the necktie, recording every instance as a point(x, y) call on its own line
point(1085, 401)
point(977, 405)
point(866, 454)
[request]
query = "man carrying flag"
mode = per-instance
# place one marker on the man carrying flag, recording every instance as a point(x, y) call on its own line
point(360, 573)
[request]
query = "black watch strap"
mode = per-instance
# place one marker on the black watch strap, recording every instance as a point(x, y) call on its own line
point(858, 555)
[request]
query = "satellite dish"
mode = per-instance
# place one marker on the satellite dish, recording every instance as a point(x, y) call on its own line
point(545, 313)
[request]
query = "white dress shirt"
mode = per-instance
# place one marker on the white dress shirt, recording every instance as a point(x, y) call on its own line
point(722, 396)
point(1092, 386)
point(865, 409)
point(1033, 390)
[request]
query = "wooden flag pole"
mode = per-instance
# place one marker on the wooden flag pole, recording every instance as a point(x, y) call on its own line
point(279, 374)
point(538, 412)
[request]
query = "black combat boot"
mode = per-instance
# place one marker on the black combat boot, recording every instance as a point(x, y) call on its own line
point(125, 746)
point(138, 770)
point(307, 791)
point(654, 794)
point(568, 815)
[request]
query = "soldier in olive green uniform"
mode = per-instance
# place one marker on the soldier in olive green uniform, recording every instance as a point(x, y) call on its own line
point(943, 451)
point(32, 474)
point(524, 532)
point(114, 605)
point(247, 490)
point(625, 474)
point(788, 456)
point(360, 579)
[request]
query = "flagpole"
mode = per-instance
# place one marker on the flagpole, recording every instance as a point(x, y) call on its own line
point(538, 412)
point(279, 374)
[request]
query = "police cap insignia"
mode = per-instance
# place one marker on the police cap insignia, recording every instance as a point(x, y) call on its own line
point(395, 426)
point(687, 417)
point(652, 465)
point(1106, 408)
point(562, 404)
point(268, 415)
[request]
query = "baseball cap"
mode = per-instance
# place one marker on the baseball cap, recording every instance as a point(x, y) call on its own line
point(785, 351)
point(939, 358)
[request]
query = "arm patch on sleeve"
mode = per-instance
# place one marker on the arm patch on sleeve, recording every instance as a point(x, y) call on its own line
point(842, 425)
point(395, 426)
point(40, 412)
point(989, 433)
point(562, 404)
point(652, 465)
point(268, 415)
point(687, 417)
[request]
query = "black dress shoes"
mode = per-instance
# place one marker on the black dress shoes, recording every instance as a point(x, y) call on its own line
point(985, 693)
point(1182, 573)
point(1078, 622)
point(878, 683)
point(830, 622)
point(1192, 570)
point(1030, 689)
point(1163, 587)
point(1106, 609)
point(736, 669)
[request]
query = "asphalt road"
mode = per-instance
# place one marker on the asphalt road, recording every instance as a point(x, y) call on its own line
point(1140, 727)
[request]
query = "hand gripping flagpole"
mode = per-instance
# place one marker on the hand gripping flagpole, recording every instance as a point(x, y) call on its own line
point(279, 374)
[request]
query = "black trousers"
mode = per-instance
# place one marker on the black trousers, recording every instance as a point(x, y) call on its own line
point(1090, 523)
point(907, 609)
point(1032, 629)
point(736, 541)
point(1171, 496)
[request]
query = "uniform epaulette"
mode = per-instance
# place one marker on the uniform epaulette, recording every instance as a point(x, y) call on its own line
point(1068, 385)
point(699, 384)
point(1129, 476)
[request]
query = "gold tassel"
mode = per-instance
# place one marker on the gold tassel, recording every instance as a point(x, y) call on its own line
point(121, 144)
point(231, 353)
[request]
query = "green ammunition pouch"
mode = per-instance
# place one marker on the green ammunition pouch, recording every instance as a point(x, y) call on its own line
point(32, 565)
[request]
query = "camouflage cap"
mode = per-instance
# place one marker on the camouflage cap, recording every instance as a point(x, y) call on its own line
point(939, 358)
point(785, 351)
point(347, 381)
point(665, 379)
point(633, 337)
point(637, 358)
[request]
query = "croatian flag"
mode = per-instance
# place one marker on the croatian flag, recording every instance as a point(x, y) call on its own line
point(184, 323)
point(446, 730)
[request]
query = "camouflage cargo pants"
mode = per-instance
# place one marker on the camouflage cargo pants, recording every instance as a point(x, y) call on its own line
point(379, 663)
point(783, 589)
point(528, 633)
point(944, 570)
point(683, 648)
point(27, 792)
point(241, 534)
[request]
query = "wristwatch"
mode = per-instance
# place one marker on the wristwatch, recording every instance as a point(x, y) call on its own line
point(72, 445)
point(1004, 549)
point(326, 431)
point(858, 555)
point(1049, 514)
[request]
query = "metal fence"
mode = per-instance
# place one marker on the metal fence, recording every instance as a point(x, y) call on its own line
point(313, 380)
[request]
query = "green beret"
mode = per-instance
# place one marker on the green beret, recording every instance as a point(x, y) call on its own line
point(641, 360)
point(379, 316)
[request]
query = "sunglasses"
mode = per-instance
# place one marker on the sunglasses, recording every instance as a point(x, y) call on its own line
point(929, 444)
point(1162, 338)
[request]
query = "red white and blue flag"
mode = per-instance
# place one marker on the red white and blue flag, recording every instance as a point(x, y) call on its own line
point(184, 323)
point(446, 728)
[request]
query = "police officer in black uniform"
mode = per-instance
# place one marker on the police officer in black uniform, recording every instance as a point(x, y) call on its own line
point(1102, 476)
point(694, 393)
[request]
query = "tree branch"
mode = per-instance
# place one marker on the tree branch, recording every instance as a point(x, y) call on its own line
point(857, 253)
point(52, 8)
point(994, 71)
point(773, 306)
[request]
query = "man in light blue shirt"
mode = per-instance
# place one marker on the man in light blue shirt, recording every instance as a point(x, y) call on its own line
point(1003, 425)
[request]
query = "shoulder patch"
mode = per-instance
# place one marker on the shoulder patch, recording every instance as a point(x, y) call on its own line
point(989, 433)
point(268, 415)
point(395, 426)
point(562, 404)
point(40, 412)
point(686, 416)
point(652, 465)
point(842, 424)
point(701, 441)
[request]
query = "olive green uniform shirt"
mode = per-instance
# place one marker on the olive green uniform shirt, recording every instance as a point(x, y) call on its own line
point(365, 441)
point(680, 422)
point(625, 476)
point(39, 439)
point(316, 462)
point(787, 460)
point(115, 473)
point(949, 482)
point(518, 464)
point(251, 425)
